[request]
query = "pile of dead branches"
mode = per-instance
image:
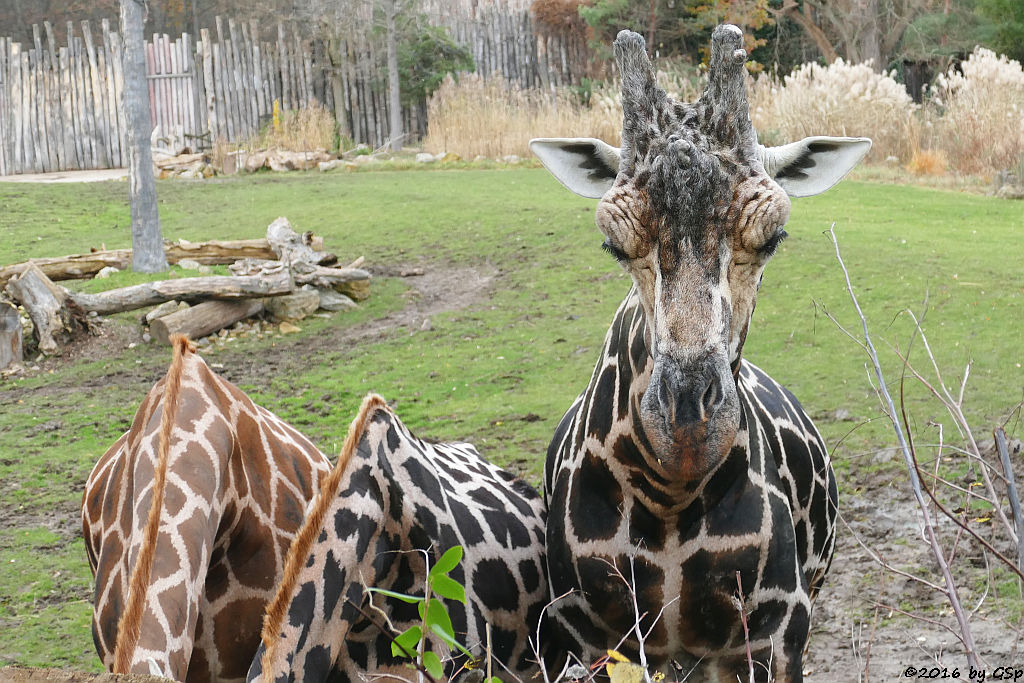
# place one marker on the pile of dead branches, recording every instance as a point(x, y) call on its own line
point(286, 275)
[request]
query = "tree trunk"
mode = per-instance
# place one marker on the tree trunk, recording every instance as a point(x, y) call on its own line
point(338, 87)
point(53, 319)
point(394, 93)
point(147, 241)
point(869, 41)
point(802, 17)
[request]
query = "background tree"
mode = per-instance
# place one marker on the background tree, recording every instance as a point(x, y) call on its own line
point(426, 54)
point(147, 241)
point(1006, 28)
point(856, 30)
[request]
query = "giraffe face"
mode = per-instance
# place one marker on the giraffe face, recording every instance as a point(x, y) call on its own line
point(694, 225)
point(693, 208)
point(693, 217)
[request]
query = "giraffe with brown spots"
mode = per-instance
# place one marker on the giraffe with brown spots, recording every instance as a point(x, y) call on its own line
point(187, 521)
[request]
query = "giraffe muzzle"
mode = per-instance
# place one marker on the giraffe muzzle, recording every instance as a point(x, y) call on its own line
point(690, 414)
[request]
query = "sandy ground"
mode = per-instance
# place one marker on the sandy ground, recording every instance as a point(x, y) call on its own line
point(67, 176)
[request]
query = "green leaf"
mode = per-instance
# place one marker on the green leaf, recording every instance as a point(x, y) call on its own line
point(437, 616)
point(493, 679)
point(408, 639)
point(449, 638)
point(400, 596)
point(447, 562)
point(432, 663)
point(447, 587)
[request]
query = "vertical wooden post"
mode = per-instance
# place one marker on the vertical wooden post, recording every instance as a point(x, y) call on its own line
point(117, 58)
point(208, 85)
point(96, 107)
point(5, 115)
point(286, 86)
point(147, 242)
point(55, 121)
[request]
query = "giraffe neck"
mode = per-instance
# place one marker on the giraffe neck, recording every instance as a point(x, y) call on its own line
point(175, 543)
point(610, 413)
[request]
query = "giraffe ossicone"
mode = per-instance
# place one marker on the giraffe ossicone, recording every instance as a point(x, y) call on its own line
point(681, 460)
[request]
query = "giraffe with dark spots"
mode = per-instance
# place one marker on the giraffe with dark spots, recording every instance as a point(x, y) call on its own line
point(682, 466)
point(386, 512)
point(187, 520)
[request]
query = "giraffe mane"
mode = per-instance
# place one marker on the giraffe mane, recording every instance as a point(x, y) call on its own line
point(129, 628)
point(310, 530)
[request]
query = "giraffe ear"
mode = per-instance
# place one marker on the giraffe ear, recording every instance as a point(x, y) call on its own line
point(813, 164)
point(586, 166)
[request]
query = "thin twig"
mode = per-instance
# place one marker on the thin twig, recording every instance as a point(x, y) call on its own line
point(535, 643)
point(955, 409)
point(951, 590)
point(405, 651)
point(743, 620)
point(888, 567)
point(933, 622)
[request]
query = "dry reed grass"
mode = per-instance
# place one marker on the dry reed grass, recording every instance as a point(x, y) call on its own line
point(490, 117)
point(976, 116)
point(838, 99)
point(300, 130)
point(973, 122)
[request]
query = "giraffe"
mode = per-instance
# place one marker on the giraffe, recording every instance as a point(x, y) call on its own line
point(187, 520)
point(391, 503)
point(691, 500)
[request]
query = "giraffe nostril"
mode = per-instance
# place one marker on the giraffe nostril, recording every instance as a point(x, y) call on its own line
point(711, 399)
point(665, 397)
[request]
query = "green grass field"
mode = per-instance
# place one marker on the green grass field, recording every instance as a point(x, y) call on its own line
point(526, 345)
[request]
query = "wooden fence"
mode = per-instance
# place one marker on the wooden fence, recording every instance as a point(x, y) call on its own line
point(60, 107)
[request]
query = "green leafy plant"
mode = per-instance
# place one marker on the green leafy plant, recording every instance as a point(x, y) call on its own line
point(434, 616)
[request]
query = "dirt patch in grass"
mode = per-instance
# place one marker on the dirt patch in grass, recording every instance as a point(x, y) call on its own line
point(858, 632)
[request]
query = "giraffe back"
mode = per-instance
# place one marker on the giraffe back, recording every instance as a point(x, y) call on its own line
point(235, 480)
point(391, 507)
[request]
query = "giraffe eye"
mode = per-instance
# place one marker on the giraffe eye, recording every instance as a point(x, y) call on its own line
point(772, 244)
point(616, 253)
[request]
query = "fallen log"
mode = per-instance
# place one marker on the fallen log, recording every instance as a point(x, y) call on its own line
point(203, 319)
point(10, 335)
point(190, 289)
point(318, 276)
point(53, 317)
point(214, 252)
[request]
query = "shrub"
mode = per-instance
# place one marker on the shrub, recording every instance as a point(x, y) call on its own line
point(927, 162)
point(977, 115)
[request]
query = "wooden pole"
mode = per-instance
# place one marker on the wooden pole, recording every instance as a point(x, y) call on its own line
point(147, 241)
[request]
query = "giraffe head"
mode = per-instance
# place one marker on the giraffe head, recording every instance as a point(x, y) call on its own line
point(692, 207)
